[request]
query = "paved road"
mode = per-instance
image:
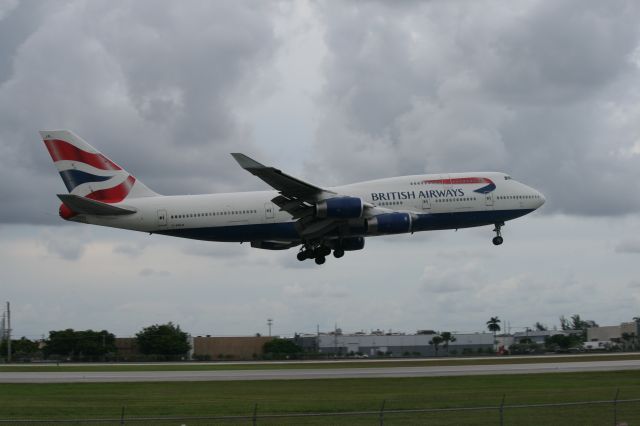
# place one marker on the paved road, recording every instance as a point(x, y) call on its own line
point(327, 373)
point(545, 357)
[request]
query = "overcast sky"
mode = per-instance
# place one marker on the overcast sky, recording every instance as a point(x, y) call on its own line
point(332, 92)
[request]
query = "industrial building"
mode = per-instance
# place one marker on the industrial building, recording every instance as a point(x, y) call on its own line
point(217, 348)
point(205, 347)
point(395, 345)
point(613, 332)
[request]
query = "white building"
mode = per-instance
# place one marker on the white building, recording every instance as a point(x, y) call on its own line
point(402, 345)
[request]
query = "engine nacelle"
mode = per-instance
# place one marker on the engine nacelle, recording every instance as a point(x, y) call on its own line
point(340, 208)
point(389, 223)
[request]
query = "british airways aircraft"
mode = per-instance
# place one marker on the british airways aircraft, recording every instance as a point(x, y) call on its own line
point(295, 213)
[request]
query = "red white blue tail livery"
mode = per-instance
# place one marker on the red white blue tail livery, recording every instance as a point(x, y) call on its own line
point(294, 213)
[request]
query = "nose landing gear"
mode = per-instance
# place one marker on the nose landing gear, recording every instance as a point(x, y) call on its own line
point(497, 240)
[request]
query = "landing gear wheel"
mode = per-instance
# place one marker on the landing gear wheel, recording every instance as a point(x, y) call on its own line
point(302, 256)
point(338, 253)
point(497, 240)
point(324, 251)
point(320, 260)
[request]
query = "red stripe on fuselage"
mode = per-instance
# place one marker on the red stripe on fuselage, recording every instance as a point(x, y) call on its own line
point(61, 150)
point(115, 194)
point(459, 181)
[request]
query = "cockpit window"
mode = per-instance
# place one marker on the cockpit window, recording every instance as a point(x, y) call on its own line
point(507, 178)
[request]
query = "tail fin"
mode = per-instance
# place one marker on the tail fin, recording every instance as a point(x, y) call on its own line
point(87, 173)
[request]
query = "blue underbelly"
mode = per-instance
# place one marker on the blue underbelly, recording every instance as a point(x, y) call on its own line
point(437, 221)
point(286, 231)
point(239, 233)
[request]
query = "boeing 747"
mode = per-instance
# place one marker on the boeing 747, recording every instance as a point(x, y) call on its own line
point(294, 213)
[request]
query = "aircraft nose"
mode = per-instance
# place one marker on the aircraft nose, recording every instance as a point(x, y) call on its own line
point(541, 199)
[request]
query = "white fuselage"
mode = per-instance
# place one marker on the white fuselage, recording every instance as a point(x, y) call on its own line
point(251, 216)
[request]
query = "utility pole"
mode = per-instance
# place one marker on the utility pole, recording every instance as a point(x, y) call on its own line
point(8, 332)
point(269, 322)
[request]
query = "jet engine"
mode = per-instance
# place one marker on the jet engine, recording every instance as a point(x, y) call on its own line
point(389, 223)
point(340, 208)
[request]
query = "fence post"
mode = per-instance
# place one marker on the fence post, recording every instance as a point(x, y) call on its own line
point(382, 412)
point(502, 410)
point(255, 414)
point(122, 416)
point(615, 407)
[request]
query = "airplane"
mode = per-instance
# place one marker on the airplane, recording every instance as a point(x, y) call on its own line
point(294, 213)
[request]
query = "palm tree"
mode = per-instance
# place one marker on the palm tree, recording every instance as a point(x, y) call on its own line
point(540, 327)
point(494, 326)
point(435, 341)
point(633, 338)
point(626, 338)
point(447, 337)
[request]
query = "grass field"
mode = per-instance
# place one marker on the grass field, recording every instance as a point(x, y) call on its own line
point(105, 400)
point(299, 365)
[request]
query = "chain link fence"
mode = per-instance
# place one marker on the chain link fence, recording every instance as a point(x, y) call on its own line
point(616, 412)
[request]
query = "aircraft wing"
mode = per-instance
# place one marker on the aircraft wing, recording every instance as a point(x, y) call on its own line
point(282, 182)
point(299, 198)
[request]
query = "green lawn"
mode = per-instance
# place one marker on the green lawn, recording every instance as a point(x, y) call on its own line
point(105, 400)
point(297, 365)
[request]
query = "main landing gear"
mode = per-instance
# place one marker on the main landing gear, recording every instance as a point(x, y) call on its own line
point(318, 253)
point(497, 240)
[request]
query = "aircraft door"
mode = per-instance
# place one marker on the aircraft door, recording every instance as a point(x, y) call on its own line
point(162, 218)
point(269, 212)
point(488, 199)
point(426, 204)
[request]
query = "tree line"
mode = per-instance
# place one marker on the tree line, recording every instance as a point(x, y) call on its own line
point(156, 342)
point(575, 334)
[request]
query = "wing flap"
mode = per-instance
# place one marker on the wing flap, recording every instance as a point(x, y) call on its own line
point(84, 205)
point(295, 207)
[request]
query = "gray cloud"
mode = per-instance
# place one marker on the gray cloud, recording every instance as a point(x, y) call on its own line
point(72, 247)
point(539, 90)
point(316, 291)
point(153, 273)
point(130, 249)
point(628, 246)
point(546, 91)
point(158, 95)
point(466, 278)
point(216, 250)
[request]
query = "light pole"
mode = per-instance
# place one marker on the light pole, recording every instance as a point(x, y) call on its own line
point(269, 322)
point(8, 332)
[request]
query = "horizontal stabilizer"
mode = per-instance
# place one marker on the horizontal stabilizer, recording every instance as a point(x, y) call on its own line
point(82, 205)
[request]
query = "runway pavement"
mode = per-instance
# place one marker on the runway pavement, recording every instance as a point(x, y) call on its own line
point(307, 373)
